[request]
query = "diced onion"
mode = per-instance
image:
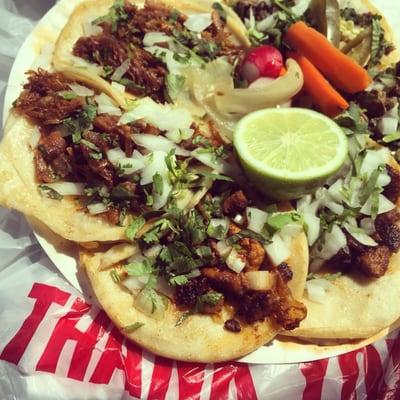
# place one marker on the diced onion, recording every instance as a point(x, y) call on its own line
point(235, 262)
point(373, 159)
point(158, 143)
point(384, 205)
point(383, 180)
point(256, 219)
point(308, 211)
point(114, 155)
point(388, 125)
point(223, 249)
point(153, 251)
point(97, 208)
point(153, 305)
point(155, 165)
point(238, 219)
point(120, 71)
point(278, 251)
point(360, 235)
point(133, 284)
point(130, 165)
point(34, 138)
point(90, 29)
point(260, 280)
point(208, 158)
point(81, 90)
point(106, 105)
point(215, 222)
point(316, 289)
point(335, 191)
point(198, 22)
point(118, 87)
point(117, 253)
point(368, 225)
point(152, 38)
point(163, 287)
point(67, 188)
point(266, 23)
point(291, 229)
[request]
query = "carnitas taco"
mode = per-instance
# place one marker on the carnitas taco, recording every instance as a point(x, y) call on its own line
point(208, 285)
point(68, 160)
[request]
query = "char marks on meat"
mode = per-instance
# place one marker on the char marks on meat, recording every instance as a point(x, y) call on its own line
point(253, 252)
point(285, 272)
point(387, 226)
point(374, 262)
point(232, 325)
point(186, 295)
point(392, 190)
point(226, 281)
point(235, 203)
point(256, 305)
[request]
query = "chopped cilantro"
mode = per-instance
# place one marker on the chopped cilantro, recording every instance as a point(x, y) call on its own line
point(139, 268)
point(114, 275)
point(90, 145)
point(215, 177)
point(158, 184)
point(68, 95)
point(115, 15)
point(133, 327)
point(217, 231)
point(178, 280)
point(50, 193)
point(134, 227)
point(174, 84)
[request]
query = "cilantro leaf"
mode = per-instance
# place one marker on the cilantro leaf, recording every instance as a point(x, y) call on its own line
point(134, 227)
point(114, 16)
point(114, 275)
point(277, 221)
point(178, 280)
point(139, 268)
point(133, 327)
point(158, 184)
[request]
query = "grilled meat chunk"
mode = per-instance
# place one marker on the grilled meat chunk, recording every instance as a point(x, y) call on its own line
point(232, 325)
point(392, 190)
point(235, 203)
point(387, 226)
point(285, 272)
point(253, 253)
point(186, 295)
point(226, 281)
point(256, 305)
point(374, 262)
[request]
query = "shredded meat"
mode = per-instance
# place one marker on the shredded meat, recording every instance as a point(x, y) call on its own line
point(253, 253)
point(226, 281)
point(146, 72)
point(61, 165)
point(256, 305)
point(186, 295)
point(52, 145)
point(374, 262)
point(235, 203)
point(232, 325)
point(392, 190)
point(387, 226)
point(43, 171)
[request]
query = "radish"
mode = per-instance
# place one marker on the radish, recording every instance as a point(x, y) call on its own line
point(262, 61)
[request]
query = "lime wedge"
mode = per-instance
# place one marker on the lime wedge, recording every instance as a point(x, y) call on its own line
point(287, 152)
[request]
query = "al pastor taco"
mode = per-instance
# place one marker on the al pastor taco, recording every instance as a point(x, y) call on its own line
point(210, 285)
point(66, 159)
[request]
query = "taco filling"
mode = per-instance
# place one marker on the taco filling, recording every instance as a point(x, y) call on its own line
point(147, 49)
point(82, 149)
point(225, 251)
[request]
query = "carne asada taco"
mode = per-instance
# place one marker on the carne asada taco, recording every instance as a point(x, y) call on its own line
point(67, 160)
point(209, 285)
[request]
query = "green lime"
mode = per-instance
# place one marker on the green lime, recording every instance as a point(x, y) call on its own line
point(287, 152)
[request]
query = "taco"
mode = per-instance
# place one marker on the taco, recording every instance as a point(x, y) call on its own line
point(66, 160)
point(209, 285)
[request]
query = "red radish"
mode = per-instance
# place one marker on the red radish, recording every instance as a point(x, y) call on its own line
point(262, 61)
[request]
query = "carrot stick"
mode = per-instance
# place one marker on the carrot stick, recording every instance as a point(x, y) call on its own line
point(341, 70)
point(323, 95)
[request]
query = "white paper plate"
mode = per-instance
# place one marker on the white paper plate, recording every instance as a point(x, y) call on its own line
point(281, 350)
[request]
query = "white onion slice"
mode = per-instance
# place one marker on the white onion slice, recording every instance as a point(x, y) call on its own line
point(198, 22)
point(81, 90)
point(154, 164)
point(208, 159)
point(106, 105)
point(90, 29)
point(114, 155)
point(316, 289)
point(67, 188)
point(360, 235)
point(97, 208)
point(120, 71)
point(158, 143)
point(385, 205)
point(260, 280)
point(34, 138)
point(153, 251)
point(163, 287)
point(133, 284)
point(278, 251)
point(130, 165)
point(235, 262)
point(256, 219)
point(152, 38)
point(383, 180)
point(373, 159)
point(388, 125)
point(118, 87)
point(223, 249)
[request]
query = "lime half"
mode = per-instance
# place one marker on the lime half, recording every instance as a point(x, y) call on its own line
point(287, 152)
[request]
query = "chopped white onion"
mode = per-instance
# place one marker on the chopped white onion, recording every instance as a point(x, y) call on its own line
point(235, 262)
point(106, 105)
point(90, 29)
point(152, 38)
point(373, 159)
point(266, 23)
point(151, 305)
point(120, 71)
point(153, 251)
point(67, 188)
point(300, 7)
point(198, 22)
point(335, 191)
point(384, 205)
point(160, 200)
point(360, 235)
point(388, 125)
point(155, 163)
point(130, 165)
point(209, 159)
point(368, 225)
point(383, 180)
point(223, 249)
point(238, 219)
point(97, 208)
point(136, 258)
point(278, 250)
point(216, 222)
point(256, 219)
point(158, 143)
point(291, 230)
point(308, 211)
point(183, 198)
point(118, 87)
point(81, 90)
point(133, 284)
point(316, 289)
point(114, 155)
point(34, 138)
point(260, 280)
point(163, 287)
